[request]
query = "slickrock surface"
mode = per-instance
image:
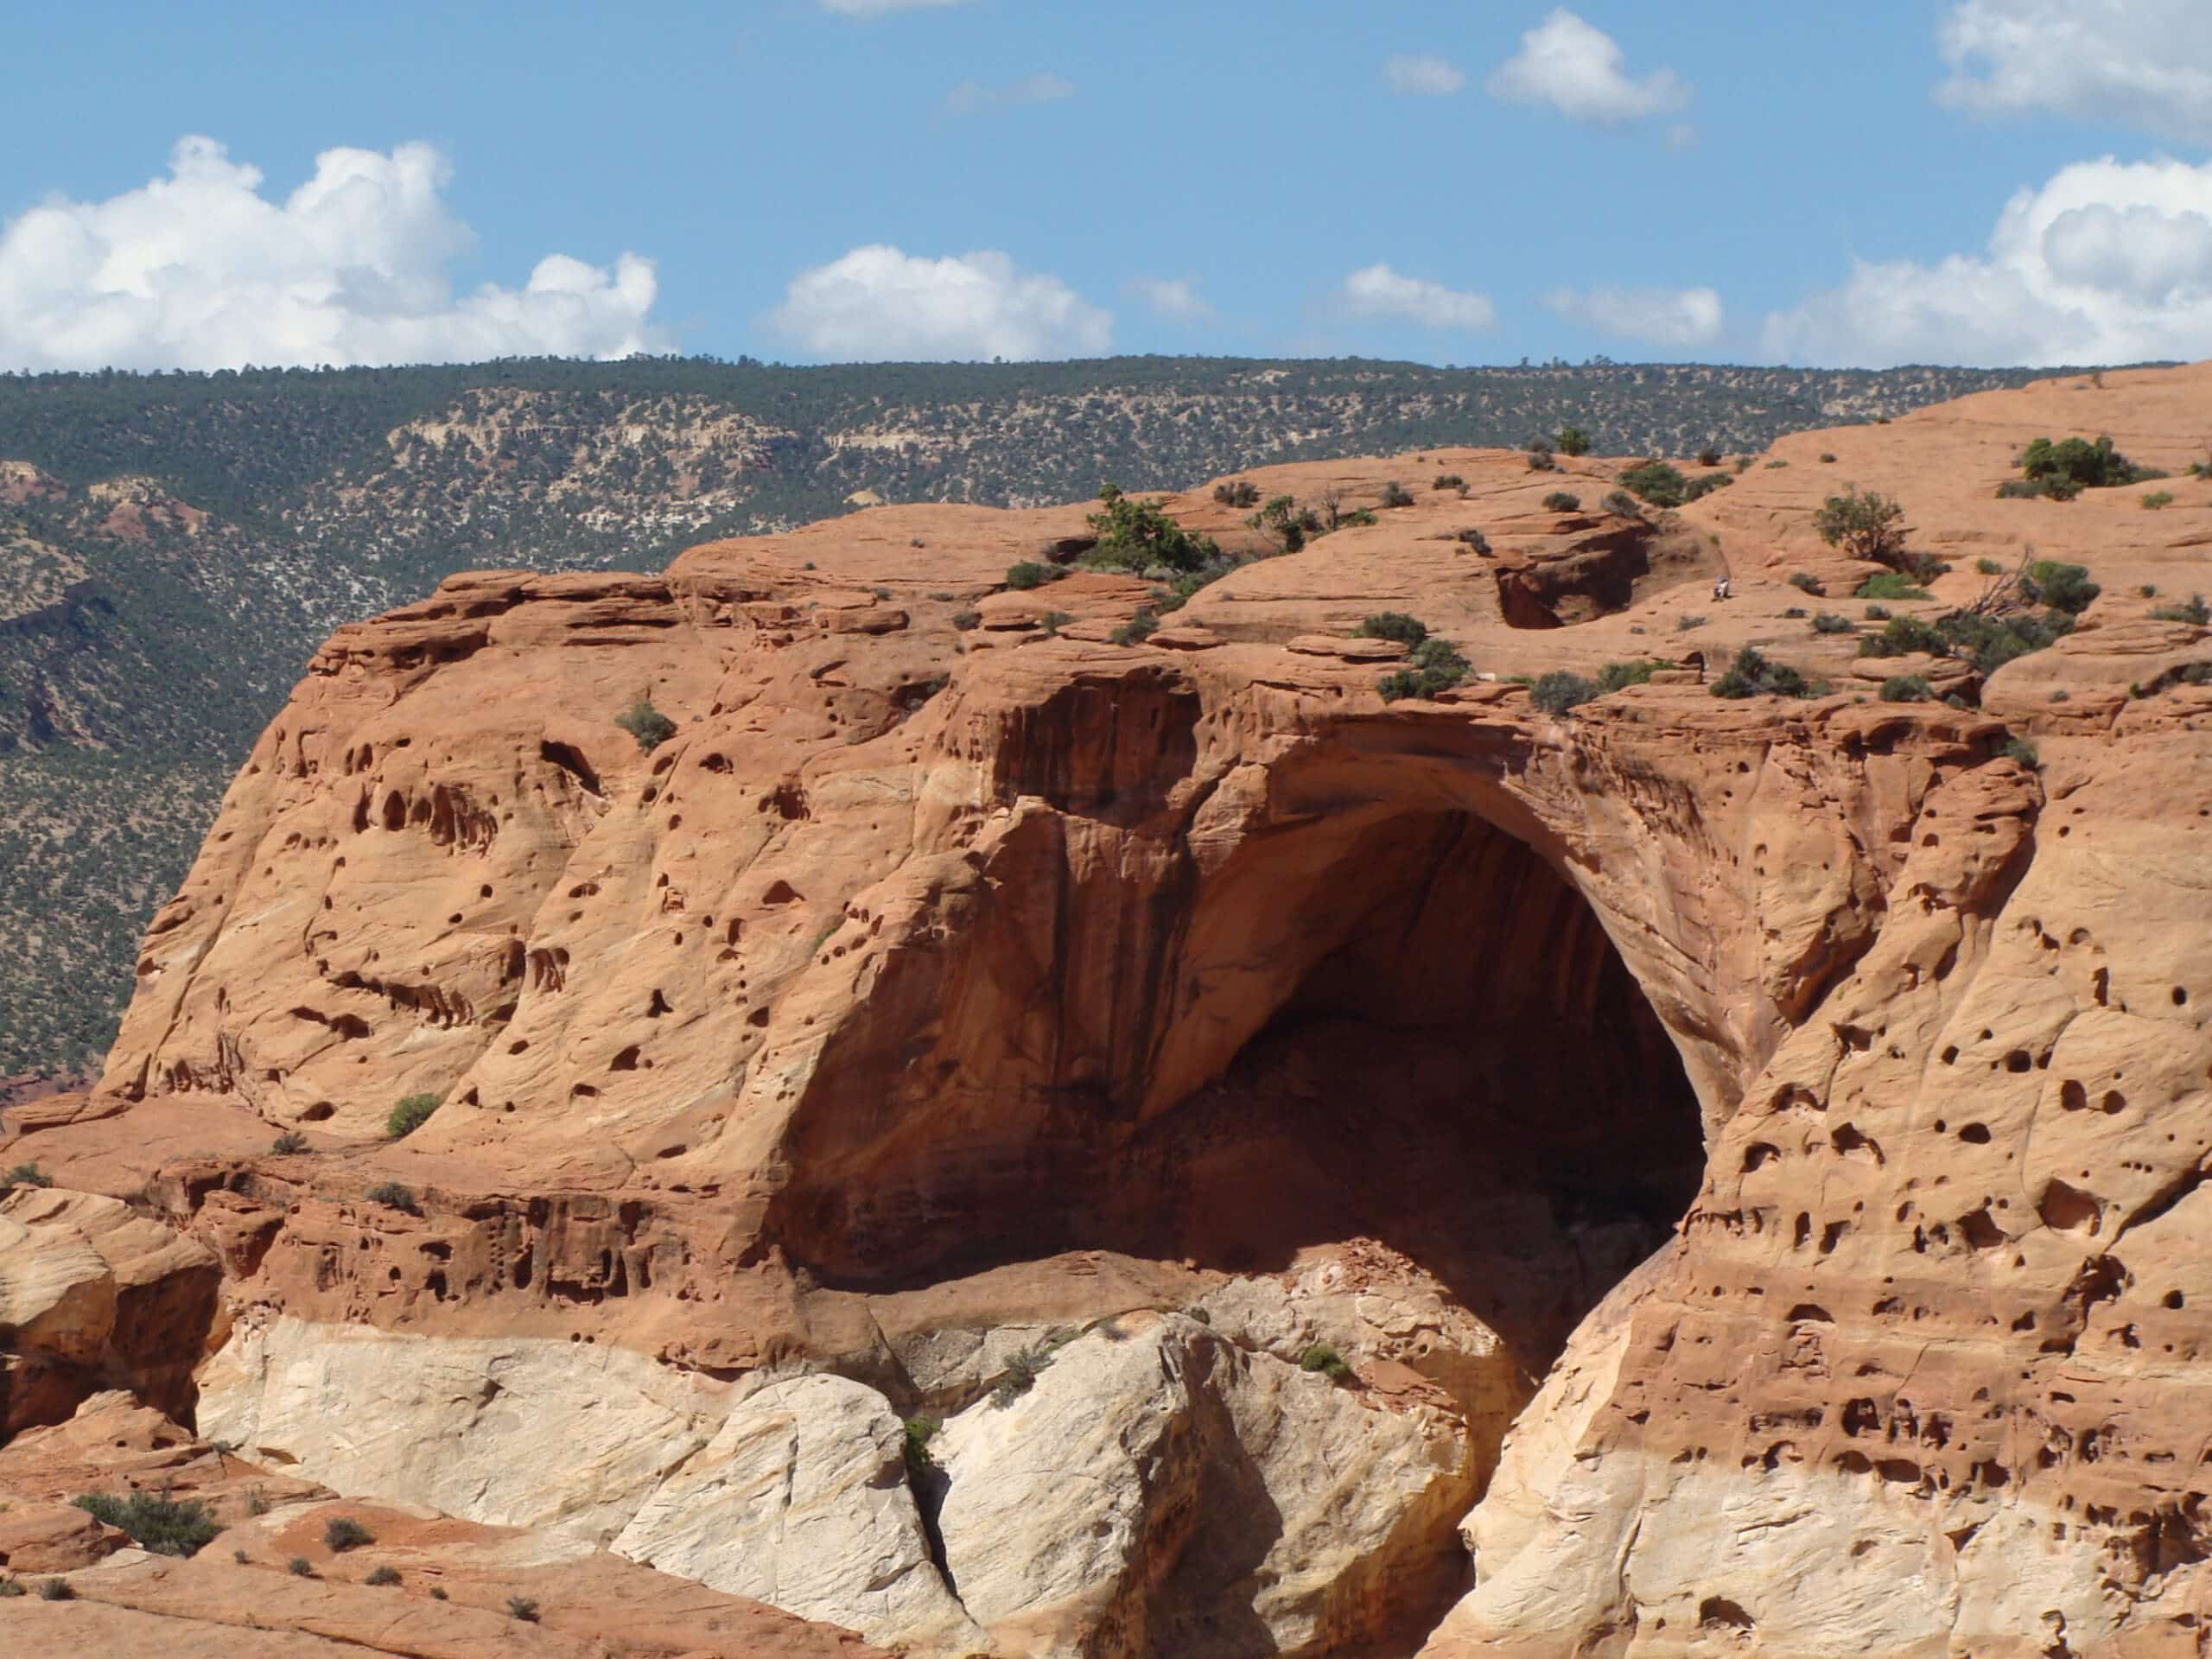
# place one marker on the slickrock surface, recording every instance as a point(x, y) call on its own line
point(270, 1583)
point(1743, 1156)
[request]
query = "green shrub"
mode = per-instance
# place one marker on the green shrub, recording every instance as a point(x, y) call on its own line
point(24, 1175)
point(383, 1575)
point(1290, 525)
point(1054, 621)
point(1613, 676)
point(524, 1608)
point(1877, 613)
point(1743, 465)
point(1989, 567)
point(1560, 690)
point(160, 1525)
point(1806, 582)
point(1866, 526)
point(2076, 464)
point(393, 1196)
point(1990, 642)
point(1621, 505)
point(11, 1587)
point(1539, 451)
point(343, 1532)
point(1326, 1360)
point(1903, 637)
point(1396, 494)
point(920, 1460)
point(437, 1593)
point(1776, 465)
point(1795, 614)
point(1829, 622)
point(1394, 625)
point(1138, 536)
point(2063, 586)
point(1698, 488)
point(1657, 482)
point(1138, 629)
point(2195, 611)
point(2023, 753)
point(1449, 481)
point(1561, 501)
point(2155, 499)
point(1473, 538)
point(55, 1590)
point(1239, 492)
point(1827, 457)
point(1709, 455)
point(1890, 584)
point(290, 1142)
point(1572, 441)
point(2021, 489)
point(646, 724)
point(1022, 1369)
point(967, 620)
point(1752, 676)
point(1435, 666)
point(1031, 573)
point(1907, 688)
point(410, 1115)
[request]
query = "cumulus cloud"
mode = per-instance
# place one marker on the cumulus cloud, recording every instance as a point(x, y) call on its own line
point(880, 302)
point(201, 271)
point(2105, 262)
point(1423, 76)
point(1179, 299)
point(881, 8)
point(970, 96)
point(1379, 291)
point(2141, 63)
point(1581, 72)
point(1661, 316)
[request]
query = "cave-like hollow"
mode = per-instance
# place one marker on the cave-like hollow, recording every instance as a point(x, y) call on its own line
point(1450, 1057)
point(1381, 1021)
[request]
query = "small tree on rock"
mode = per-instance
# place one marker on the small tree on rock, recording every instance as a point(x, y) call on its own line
point(1866, 525)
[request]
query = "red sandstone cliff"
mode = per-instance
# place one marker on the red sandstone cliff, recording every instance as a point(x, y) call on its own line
point(1803, 1103)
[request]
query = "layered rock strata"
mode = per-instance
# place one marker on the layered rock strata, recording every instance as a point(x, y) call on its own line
point(1797, 1106)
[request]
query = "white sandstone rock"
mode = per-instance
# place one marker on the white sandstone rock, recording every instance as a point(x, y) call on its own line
point(801, 1501)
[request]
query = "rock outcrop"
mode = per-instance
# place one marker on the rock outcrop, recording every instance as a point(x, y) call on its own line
point(1011, 1142)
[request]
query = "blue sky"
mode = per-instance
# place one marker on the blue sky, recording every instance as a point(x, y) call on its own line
point(1968, 181)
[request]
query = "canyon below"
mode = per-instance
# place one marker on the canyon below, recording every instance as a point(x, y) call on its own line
point(1021, 1125)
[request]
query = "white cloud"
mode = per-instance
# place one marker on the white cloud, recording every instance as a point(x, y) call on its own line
point(201, 271)
point(2141, 63)
point(1179, 299)
point(2107, 262)
point(1379, 291)
point(969, 96)
point(881, 8)
point(1661, 317)
point(880, 303)
point(1423, 76)
point(1579, 71)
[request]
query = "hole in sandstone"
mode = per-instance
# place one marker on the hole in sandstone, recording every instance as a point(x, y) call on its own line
point(1400, 1026)
point(1382, 1026)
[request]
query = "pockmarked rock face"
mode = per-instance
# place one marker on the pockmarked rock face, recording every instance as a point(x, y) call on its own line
point(1007, 1140)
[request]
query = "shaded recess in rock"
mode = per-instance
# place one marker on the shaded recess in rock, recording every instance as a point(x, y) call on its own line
point(1429, 1040)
